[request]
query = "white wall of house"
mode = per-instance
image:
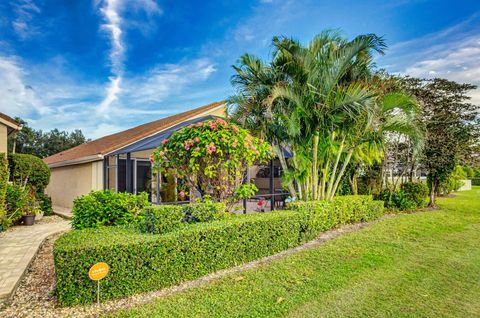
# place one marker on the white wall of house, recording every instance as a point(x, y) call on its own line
point(3, 138)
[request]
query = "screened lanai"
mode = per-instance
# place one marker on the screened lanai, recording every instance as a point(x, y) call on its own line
point(129, 170)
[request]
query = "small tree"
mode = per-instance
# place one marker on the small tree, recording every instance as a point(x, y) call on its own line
point(211, 156)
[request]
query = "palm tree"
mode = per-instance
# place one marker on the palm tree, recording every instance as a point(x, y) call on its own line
point(317, 100)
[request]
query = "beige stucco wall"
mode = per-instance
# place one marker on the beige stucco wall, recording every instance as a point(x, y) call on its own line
point(66, 183)
point(3, 138)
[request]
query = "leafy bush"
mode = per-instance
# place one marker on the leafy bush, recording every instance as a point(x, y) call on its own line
point(19, 201)
point(319, 216)
point(145, 262)
point(3, 190)
point(397, 200)
point(29, 169)
point(162, 219)
point(204, 211)
point(476, 182)
point(45, 203)
point(107, 208)
point(416, 192)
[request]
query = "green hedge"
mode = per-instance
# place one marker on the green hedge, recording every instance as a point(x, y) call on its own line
point(142, 262)
point(107, 208)
point(320, 216)
point(145, 262)
point(162, 219)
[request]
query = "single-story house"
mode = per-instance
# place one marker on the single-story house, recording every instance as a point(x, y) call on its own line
point(121, 161)
point(8, 125)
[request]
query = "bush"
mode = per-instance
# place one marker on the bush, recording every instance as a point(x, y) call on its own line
point(3, 191)
point(107, 208)
point(397, 200)
point(142, 262)
point(204, 211)
point(319, 216)
point(162, 219)
point(45, 203)
point(146, 262)
point(30, 169)
point(476, 182)
point(416, 192)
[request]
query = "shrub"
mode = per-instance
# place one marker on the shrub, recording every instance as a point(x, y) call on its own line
point(29, 169)
point(397, 200)
point(319, 216)
point(476, 182)
point(3, 190)
point(204, 211)
point(19, 201)
point(107, 208)
point(162, 219)
point(45, 203)
point(144, 262)
point(416, 192)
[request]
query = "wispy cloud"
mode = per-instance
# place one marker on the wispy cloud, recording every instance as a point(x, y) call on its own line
point(25, 11)
point(452, 53)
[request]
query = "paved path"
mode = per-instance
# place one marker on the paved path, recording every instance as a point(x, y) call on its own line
point(17, 249)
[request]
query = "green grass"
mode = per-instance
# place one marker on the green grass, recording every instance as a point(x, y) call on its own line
point(416, 265)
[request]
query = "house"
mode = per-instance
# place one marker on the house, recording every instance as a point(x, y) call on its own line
point(8, 126)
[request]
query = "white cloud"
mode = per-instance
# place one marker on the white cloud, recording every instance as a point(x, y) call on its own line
point(18, 97)
point(25, 11)
point(452, 53)
point(166, 80)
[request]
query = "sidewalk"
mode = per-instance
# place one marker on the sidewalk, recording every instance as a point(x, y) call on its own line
point(17, 249)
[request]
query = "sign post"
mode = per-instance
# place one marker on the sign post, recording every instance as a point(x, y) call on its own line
point(96, 273)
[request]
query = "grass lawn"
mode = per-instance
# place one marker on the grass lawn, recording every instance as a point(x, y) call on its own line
point(418, 265)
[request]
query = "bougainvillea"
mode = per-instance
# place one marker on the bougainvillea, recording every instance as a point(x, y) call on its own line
point(211, 156)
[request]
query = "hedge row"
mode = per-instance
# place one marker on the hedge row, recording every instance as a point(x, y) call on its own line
point(142, 262)
point(320, 216)
point(146, 262)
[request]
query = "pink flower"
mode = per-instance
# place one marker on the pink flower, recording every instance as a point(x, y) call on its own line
point(197, 139)
point(164, 141)
point(221, 121)
point(235, 143)
point(235, 128)
point(199, 124)
point(223, 139)
point(211, 148)
point(190, 142)
point(197, 149)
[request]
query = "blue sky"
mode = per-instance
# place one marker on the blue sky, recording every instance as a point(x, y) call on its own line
point(107, 65)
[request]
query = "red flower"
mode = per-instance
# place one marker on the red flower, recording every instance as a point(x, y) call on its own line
point(164, 141)
point(211, 148)
point(197, 139)
point(213, 125)
point(221, 121)
point(235, 128)
point(261, 202)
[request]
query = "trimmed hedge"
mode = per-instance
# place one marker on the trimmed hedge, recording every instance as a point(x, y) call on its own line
point(142, 262)
point(320, 216)
point(145, 262)
point(106, 207)
point(205, 211)
point(162, 219)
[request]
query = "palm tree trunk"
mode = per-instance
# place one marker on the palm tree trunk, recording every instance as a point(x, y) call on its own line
point(316, 140)
point(340, 174)
point(335, 167)
point(279, 152)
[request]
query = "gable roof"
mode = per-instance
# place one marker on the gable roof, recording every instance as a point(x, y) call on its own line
point(11, 123)
point(96, 149)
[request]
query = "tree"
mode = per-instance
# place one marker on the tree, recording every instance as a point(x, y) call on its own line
point(211, 157)
point(452, 126)
point(43, 144)
point(319, 102)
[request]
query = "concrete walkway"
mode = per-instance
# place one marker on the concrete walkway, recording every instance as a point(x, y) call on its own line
point(18, 248)
point(62, 212)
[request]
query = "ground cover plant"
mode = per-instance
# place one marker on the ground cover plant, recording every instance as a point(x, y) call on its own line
point(413, 265)
point(142, 262)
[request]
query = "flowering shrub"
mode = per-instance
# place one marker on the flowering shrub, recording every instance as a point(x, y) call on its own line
point(211, 156)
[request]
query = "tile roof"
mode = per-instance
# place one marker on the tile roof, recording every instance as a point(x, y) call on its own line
point(115, 141)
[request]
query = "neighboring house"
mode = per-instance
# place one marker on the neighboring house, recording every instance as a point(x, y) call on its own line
point(119, 162)
point(8, 126)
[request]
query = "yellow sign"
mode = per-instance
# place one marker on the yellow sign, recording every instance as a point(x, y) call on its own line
point(98, 271)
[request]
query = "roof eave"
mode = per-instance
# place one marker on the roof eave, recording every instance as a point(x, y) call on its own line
point(76, 161)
